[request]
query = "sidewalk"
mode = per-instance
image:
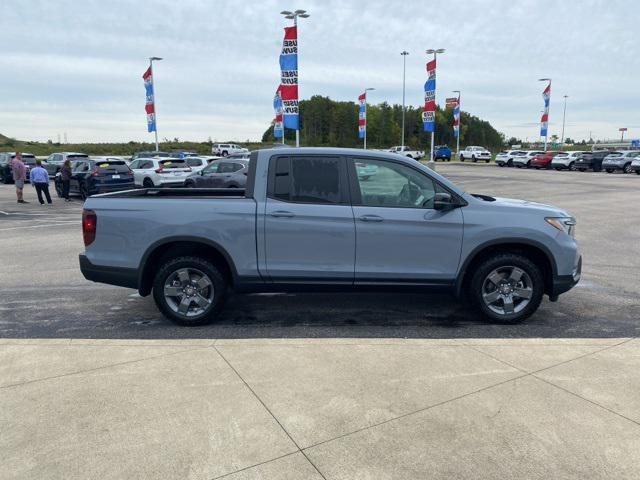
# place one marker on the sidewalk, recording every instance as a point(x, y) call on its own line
point(320, 408)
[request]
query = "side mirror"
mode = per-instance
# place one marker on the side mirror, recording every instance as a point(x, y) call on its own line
point(443, 201)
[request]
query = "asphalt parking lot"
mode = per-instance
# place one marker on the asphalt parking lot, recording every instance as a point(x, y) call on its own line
point(44, 295)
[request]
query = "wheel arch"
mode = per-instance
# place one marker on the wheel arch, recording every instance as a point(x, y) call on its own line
point(180, 246)
point(535, 251)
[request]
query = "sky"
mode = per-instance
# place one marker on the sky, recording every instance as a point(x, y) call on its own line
point(75, 66)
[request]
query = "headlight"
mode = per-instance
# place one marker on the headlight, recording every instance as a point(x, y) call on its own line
point(564, 224)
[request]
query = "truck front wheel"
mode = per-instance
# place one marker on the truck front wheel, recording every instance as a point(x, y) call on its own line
point(189, 290)
point(507, 288)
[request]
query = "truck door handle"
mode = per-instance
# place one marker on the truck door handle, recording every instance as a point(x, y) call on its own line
point(371, 218)
point(282, 214)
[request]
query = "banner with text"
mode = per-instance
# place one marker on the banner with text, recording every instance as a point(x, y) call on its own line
point(456, 117)
point(429, 114)
point(149, 107)
point(289, 78)
point(362, 115)
point(278, 127)
point(544, 121)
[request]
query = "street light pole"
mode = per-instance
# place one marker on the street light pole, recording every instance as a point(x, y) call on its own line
point(155, 105)
point(459, 124)
point(294, 16)
point(365, 114)
point(435, 52)
point(404, 54)
point(564, 114)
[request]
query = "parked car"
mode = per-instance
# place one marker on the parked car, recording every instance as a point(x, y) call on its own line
point(196, 163)
point(544, 160)
point(407, 151)
point(635, 166)
point(160, 172)
point(474, 154)
point(96, 175)
point(301, 224)
point(442, 152)
point(220, 174)
point(183, 154)
point(619, 161)
point(149, 154)
point(566, 160)
point(505, 158)
point(56, 160)
point(5, 165)
point(524, 160)
point(224, 149)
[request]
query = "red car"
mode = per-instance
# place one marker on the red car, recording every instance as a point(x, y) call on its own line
point(544, 160)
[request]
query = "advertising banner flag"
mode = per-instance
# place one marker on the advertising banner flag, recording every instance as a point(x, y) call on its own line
point(429, 114)
point(149, 107)
point(278, 127)
point(362, 115)
point(451, 102)
point(289, 78)
point(544, 120)
point(456, 117)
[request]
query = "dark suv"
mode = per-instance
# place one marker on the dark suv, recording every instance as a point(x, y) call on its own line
point(591, 160)
point(90, 177)
point(5, 168)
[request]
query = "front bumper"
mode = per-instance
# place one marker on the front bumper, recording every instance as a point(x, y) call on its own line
point(560, 165)
point(564, 283)
point(119, 276)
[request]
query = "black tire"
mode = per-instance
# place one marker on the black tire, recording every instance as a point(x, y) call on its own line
point(503, 260)
point(627, 168)
point(219, 285)
point(189, 185)
point(473, 158)
point(609, 170)
point(509, 163)
point(58, 189)
point(462, 158)
point(572, 167)
point(582, 169)
point(147, 183)
point(225, 153)
point(487, 161)
point(637, 172)
point(501, 164)
point(84, 194)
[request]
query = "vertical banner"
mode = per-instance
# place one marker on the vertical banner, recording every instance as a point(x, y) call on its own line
point(429, 114)
point(289, 78)
point(456, 118)
point(362, 115)
point(150, 105)
point(278, 127)
point(544, 121)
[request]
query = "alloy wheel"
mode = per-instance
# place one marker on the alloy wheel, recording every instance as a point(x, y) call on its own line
point(507, 290)
point(188, 292)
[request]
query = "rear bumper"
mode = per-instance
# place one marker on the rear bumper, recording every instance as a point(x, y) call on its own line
point(119, 276)
point(613, 166)
point(564, 283)
point(112, 188)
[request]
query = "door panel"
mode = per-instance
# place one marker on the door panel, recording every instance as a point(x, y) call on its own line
point(400, 237)
point(309, 228)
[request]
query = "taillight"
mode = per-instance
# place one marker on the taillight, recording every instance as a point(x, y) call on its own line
point(188, 169)
point(95, 173)
point(159, 170)
point(89, 223)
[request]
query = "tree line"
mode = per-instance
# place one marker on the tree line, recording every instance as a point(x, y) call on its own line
point(326, 122)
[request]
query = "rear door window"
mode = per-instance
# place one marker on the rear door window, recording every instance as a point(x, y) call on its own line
point(308, 179)
point(194, 162)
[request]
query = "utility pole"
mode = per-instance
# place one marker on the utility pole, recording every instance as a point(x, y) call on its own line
point(404, 54)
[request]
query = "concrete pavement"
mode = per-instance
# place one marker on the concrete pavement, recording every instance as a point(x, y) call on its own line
point(320, 408)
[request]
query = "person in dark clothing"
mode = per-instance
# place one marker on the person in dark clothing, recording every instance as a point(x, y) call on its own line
point(65, 176)
point(40, 180)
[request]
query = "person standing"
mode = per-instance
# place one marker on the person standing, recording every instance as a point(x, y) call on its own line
point(40, 180)
point(19, 174)
point(65, 176)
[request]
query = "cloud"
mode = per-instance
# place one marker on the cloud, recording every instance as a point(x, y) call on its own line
point(76, 66)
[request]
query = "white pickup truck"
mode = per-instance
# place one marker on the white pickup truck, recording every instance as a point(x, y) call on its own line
point(474, 154)
point(407, 152)
point(224, 149)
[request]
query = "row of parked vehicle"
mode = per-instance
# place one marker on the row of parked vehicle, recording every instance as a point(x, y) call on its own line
point(627, 161)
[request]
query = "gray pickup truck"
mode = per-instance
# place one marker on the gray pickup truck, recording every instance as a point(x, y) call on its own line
point(329, 218)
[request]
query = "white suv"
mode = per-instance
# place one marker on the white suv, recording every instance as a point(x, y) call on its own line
point(474, 154)
point(224, 149)
point(160, 172)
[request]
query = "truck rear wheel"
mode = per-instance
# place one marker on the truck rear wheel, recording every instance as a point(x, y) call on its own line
point(507, 288)
point(189, 291)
